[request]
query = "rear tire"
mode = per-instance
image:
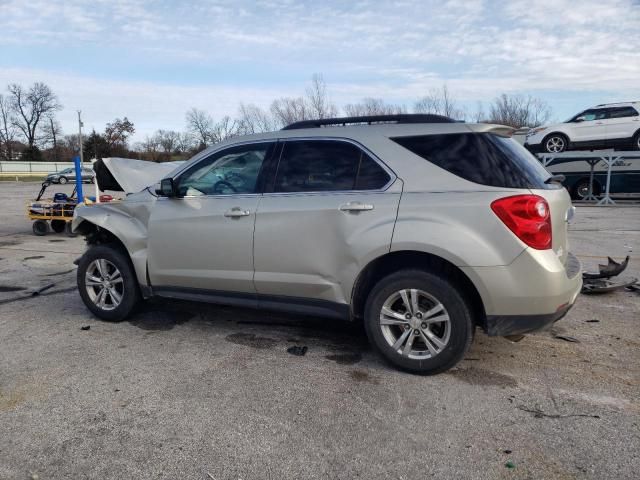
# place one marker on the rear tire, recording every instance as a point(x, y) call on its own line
point(636, 141)
point(105, 269)
point(439, 320)
point(581, 189)
point(40, 228)
point(58, 226)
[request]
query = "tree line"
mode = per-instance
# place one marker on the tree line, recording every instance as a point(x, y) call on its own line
point(28, 125)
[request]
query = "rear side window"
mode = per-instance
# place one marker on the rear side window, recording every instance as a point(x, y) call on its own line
point(482, 158)
point(621, 112)
point(324, 166)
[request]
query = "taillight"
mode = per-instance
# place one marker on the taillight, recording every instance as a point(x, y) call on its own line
point(527, 216)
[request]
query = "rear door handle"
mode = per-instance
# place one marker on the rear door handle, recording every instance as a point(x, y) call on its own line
point(236, 212)
point(356, 207)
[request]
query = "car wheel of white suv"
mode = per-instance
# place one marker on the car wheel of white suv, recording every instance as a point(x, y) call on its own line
point(107, 283)
point(418, 321)
point(555, 143)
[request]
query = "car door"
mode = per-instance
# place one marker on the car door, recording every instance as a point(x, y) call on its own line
point(203, 237)
point(622, 123)
point(589, 126)
point(329, 209)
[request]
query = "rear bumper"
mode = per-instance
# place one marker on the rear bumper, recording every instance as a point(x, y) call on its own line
point(501, 325)
point(535, 290)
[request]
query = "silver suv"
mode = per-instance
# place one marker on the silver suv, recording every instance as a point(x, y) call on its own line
point(422, 227)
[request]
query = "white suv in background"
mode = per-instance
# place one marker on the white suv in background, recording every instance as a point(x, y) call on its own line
point(613, 125)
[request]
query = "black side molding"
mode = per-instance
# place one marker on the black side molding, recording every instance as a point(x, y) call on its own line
point(280, 303)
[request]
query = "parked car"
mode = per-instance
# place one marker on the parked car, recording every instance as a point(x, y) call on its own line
point(422, 227)
point(612, 125)
point(69, 175)
point(625, 176)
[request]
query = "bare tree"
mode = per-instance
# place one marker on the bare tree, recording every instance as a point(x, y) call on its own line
point(50, 134)
point(223, 129)
point(253, 119)
point(373, 106)
point(7, 130)
point(519, 111)
point(318, 102)
point(200, 125)
point(184, 142)
point(30, 106)
point(167, 140)
point(287, 110)
point(440, 102)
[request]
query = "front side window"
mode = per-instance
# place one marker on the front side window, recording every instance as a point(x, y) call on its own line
point(326, 165)
point(231, 171)
point(590, 115)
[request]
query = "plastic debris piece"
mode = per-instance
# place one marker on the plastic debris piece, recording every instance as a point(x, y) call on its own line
point(510, 465)
point(297, 350)
point(86, 327)
point(567, 338)
point(611, 269)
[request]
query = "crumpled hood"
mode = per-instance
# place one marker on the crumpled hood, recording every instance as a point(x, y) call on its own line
point(128, 175)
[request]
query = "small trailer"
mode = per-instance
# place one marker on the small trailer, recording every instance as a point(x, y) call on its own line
point(56, 211)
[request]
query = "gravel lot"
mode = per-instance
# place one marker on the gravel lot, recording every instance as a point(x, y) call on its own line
point(197, 392)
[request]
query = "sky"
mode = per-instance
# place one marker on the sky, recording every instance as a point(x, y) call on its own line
point(152, 60)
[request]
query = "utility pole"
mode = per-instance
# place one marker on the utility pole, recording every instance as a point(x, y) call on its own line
point(80, 125)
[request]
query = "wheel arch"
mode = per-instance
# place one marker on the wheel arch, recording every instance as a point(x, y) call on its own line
point(399, 260)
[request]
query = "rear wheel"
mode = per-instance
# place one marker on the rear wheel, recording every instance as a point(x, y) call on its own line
point(418, 321)
point(636, 141)
point(556, 143)
point(40, 228)
point(581, 189)
point(58, 225)
point(107, 283)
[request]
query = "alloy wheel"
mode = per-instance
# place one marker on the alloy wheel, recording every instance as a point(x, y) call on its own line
point(104, 284)
point(555, 144)
point(415, 324)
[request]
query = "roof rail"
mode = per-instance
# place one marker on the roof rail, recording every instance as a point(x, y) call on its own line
point(616, 103)
point(369, 119)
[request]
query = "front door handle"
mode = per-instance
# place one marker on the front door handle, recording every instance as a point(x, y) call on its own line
point(236, 212)
point(356, 207)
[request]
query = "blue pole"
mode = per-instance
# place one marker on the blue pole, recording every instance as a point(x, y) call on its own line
point(76, 161)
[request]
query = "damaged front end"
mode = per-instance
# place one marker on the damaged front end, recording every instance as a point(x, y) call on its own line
point(122, 223)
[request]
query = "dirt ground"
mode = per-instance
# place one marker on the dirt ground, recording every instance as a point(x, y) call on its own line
point(193, 391)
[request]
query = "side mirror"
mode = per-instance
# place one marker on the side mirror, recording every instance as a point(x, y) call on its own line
point(166, 188)
point(579, 119)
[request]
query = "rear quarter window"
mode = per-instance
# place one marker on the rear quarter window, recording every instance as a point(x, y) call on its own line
point(483, 158)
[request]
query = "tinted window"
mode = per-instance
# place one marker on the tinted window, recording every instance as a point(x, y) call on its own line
point(233, 170)
point(595, 114)
point(371, 176)
point(322, 165)
point(621, 112)
point(482, 158)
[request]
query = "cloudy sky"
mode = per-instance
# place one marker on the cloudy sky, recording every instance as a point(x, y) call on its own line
point(152, 60)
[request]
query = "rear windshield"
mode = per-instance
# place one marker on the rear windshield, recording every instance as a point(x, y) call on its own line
point(483, 158)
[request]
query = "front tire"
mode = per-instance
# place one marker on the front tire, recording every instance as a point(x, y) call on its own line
point(107, 283)
point(418, 321)
point(63, 180)
point(556, 143)
point(40, 228)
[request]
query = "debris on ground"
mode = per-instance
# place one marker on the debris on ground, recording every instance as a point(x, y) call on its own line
point(567, 338)
point(507, 451)
point(38, 291)
point(600, 282)
point(510, 465)
point(593, 320)
point(86, 327)
point(537, 413)
point(297, 350)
